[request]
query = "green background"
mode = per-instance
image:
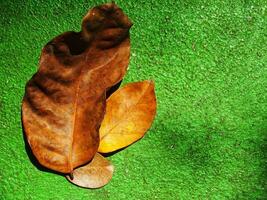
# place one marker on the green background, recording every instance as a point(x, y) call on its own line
point(208, 60)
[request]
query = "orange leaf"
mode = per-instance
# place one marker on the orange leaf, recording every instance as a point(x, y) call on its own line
point(96, 174)
point(129, 114)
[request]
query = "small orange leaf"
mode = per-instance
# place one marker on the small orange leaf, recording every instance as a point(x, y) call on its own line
point(129, 114)
point(96, 174)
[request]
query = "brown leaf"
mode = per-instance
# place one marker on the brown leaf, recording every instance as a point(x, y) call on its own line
point(129, 114)
point(96, 174)
point(64, 101)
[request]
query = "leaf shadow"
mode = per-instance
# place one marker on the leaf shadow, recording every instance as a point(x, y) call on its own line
point(113, 152)
point(112, 89)
point(189, 148)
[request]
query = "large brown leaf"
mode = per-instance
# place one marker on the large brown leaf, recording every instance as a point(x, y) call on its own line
point(129, 114)
point(93, 175)
point(64, 101)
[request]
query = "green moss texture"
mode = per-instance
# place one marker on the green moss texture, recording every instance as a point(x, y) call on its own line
point(209, 63)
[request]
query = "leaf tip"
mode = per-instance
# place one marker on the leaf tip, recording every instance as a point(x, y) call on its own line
point(150, 82)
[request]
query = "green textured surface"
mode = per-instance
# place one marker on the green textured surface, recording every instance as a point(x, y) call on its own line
point(208, 59)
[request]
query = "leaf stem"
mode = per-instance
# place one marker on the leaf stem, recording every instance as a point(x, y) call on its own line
point(71, 175)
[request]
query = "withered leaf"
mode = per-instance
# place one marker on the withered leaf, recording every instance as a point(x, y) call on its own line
point(96, 174)
point(64, 101)
point(129, 114)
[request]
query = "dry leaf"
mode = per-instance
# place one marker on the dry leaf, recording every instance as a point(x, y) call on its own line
point(93, 175)
point(64, 101)
point(129, 114)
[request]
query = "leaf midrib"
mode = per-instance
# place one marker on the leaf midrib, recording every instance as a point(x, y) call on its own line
point(76, 99)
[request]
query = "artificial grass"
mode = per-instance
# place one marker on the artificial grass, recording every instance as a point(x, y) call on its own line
point(208, 60)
